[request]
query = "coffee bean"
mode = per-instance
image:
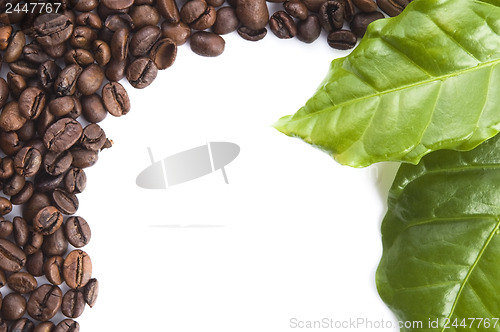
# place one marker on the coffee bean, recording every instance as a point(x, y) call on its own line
point(207, 44)
point(34, 264)
point(296, 8)
point(56, 163)
point(55, 51)
point(52, 268)
point(64, 201)
point(61, 106)
point(48, 73)
point(226, 21)
point(6, 168)
point(314, 5)
point(342, 39)
point(4, 92)
point(47, 220)
point(52, 29)
point(163, 53)
point(55, 244)
point(90, 80)
point(93, 137)
point(366, 6)
point(79, 56)
point(392, 7)
point(27, 161)
point(22, 282)
point(168, 9)
point(143, 40)
point(34, 243)
point(331, 15)
point(45, 327)
point(89, 19)
point(5, 34)
point(16, 84)
point(75, 180)
point(115, 99)
point(102, 52)
point(6, 228)
point(22, 325)
point(83, 158)
point(21, 231)
point(10, 117)
point(118, 21)
point(44, 302)
point(45, 183)
point(68, 325)
point(73, 303)
point(198, 14)
point(349, 9)
point(141, 72)
point(361, 21)
point(62, 134)
point(12, 258)
point(144, 15)
point(282, 25)
point(23, 195)
point(13, 306)
point(9, 142)
point(15, 48)
point(77, 231)
point(119, 42)
point(5, 206)
point(14, 185)
point(115, 70)
point(82, 37)
point(118, 4)
point(252, 14)
point(91, 291)
point(77, 269)
point(35, 53)
point(178, 32)
point(93, 109)
point(65, 83)
point(84, 6)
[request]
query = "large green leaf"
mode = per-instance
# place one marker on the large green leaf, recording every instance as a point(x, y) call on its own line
point(441, 241)
point(425, 80)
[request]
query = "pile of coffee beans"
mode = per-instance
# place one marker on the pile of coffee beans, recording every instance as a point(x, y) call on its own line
point(63, 61)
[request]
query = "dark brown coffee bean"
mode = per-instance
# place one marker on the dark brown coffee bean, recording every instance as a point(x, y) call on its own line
point(79, 56)
point(22, 325)
point(24, 195)
point(15, 48)
point(144, 15)
point(44, 302)
point(75, 180)
point(73, 303)
point(53, 269)
point(361, 20)
point(61, 106)
point(45, 327)
point(13, 306)
point(12, 258)
point(349, 9)
point(64, 201)
point(77, 269)
point(282, 25)
point(35, 53)
point(141, 72)
point(6, 228)
point(226, 21)
point(16, 84)
point(21, 231)
point(55, 244)
point(47, 220)
point(90, 79)
point(331, 15)
point(6, 168)
point(296, 8)
point(68, 325)
point(65, 84)
point(198, 14)
point(82, 37)
point(342, 39)
point(14, 185)
point(46, 183)
point(48, 73)
point(118, 21)
point(102, 52)
point(27, 131)
point(34, 205)
point(91, 291)
point(93, 109)
point(178, 32)
point(143, 40)
point(5, 34)
point(56, 163)
point(34, 243)
point(252, 14)
point(252, 35)
point(314, 5)
point(62, 134)
point(11, 118)
point(83, 158)
point(9, 142)
point(84, 6)
point(366, 6)
point(115, 70)
point(52, 29)
point(115, 99)
point(22, 282)
point(27, 161)
point(168, 9)
point(89, 19)
point(93, 137)
point(119, 42)
point(5, 206)
point(4, 92)
point(392, 7)
point(117, 4)
point(45, 120)
point(31, 103)
point(34, 264)
point(55, 51)
point(77, 231)
point(207, 44)
point(163, 53)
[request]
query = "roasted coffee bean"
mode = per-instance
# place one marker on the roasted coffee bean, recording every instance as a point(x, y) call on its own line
point(6, 168)
point(83, 158)
point(168, 9)
point(6, 228)
point(45, 327)
point(89, 19)
point(22, 325)
point(102, 52)
point(61, 106)
point(27, 131)
point(115, 70)
point(252, 14)
point(143, 40)
point(314, 5)
point(331, 15)
point(31, 103)
point(68, 325)
point(91, 291)
point(119, 42)
point(163, 53)
point(64, 201)
point(296, 8)
point(55, 51)
point(84, 6)
point(90, 80)
point(207, 44)
point(366, 6)
point(282, 25)
point(5, 206)
point(4, 92)
point(52, 29)
point(27, 161)
point(65, 84)
point(55, 244)
point(12, 258)
point(178, 32)
point(115, 99)
point(198, 14)
point(48, 73)
point(75, 180)
point(82, 37)
point(5, 34)
point(13, 306)
point(349, 9)
point(36, 202)
point(21, 231)
point(77, 231)
point(24, 195)
point(44, 302)
point(117, 4)
point(48, 220)
point(361, 20)
point(46, 183)
point(73, 303)
point(342, 39)
point(93, 137)
point(392, 7)
point(141, 72)
point(14, 185)
point(9, 142)
point(53, 269)
point(34, 264)
point(35, 53)
point(10, 117)
point(62, 134)
point(93, 109)
point(79, 56)
point(77, 269)
point(16, 84)
point(226, 21)
point(22, 282)
point(144, 15)
point(45, 120)
point(56, 163)
point(34, 243)
point(119, 21)
point(15, 48)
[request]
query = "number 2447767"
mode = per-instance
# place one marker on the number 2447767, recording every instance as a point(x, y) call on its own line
point(33, 7)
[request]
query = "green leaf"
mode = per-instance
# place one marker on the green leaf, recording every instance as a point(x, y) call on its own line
point(441, 241)
point(425, 80)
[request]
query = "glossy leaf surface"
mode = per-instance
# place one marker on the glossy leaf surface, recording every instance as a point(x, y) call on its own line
point(425, 80)
point(441, 241)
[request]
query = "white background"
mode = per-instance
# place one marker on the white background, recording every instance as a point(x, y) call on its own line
point(298, 235)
